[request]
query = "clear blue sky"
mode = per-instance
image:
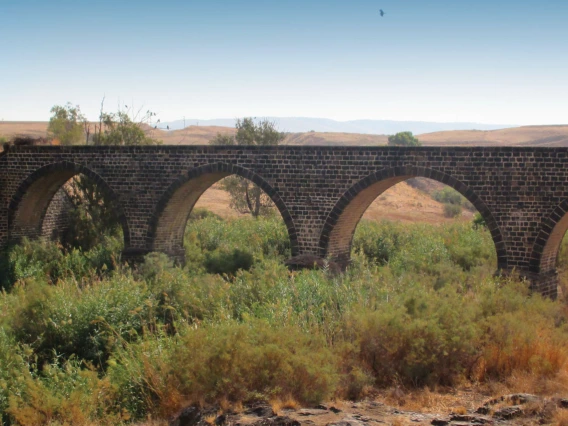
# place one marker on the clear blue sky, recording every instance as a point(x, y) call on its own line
point(493, 61)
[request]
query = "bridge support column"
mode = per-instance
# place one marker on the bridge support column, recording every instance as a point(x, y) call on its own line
point(545, 283)
point(134, 255)
point(177, 255)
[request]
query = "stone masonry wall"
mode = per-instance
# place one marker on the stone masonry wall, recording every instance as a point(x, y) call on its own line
point(56, 220)
point(521, 192)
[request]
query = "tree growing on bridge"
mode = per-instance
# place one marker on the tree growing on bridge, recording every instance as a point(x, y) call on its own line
point(403, 139)
point(246, 197)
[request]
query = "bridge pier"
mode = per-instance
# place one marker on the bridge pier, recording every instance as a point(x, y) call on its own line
point(545, 283)
point(133, 255)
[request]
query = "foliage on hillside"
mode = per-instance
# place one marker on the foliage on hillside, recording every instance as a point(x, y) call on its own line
point(86, 340)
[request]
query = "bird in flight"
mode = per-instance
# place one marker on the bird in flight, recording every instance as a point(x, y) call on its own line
point(382, 13)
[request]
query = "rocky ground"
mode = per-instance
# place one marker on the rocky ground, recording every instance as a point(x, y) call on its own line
point(514, 409)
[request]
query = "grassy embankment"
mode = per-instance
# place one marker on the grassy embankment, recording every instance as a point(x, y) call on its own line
point(85, 340)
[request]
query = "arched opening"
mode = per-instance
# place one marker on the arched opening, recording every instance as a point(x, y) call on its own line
point(338, 231)
point(549, 257)
point(166, 231)
point(42, 204)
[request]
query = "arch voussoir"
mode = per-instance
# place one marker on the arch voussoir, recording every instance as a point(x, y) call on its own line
point(168, 221)
point(337, 232)
point(30, 202)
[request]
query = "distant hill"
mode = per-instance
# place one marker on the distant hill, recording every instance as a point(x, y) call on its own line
point(201, 135)
point(375, 127)
point(517, 136)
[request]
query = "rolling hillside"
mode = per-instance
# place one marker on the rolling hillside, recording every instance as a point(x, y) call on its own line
point(516, 136)
point(402, 203)
point(197, 135)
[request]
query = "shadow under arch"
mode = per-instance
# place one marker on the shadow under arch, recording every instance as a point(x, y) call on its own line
point(337, 233)
point(167, 225)
point(30, 202)
point(547, 243)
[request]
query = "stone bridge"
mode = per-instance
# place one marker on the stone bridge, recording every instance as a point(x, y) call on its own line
point(321, 192)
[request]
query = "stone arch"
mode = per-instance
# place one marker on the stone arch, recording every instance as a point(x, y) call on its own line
point(337, 233)
point(547, 244)
point(31, 200)
point(167, 225)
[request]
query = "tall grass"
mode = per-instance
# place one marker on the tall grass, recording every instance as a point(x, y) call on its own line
point(83, 339)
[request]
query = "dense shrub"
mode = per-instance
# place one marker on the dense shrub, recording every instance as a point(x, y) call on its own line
point(86, 322)
point(227, 262)
point(417, 340)
point(13, 368)
point(478, 221)
point(43, 260)
point(424, 249)
point(265, 237)
point(232, 361)
point(83, 340)
point(448, 195)
point(452, 210)
point(67, 394)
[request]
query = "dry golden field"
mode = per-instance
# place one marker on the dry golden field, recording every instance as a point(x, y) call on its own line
point(401, 203)
point(198, 135)
point(516, 136)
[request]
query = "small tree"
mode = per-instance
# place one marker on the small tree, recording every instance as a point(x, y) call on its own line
point(94, 215)
point(66, 124)
point(403, 139)
point(119, 129)
point(246, 197)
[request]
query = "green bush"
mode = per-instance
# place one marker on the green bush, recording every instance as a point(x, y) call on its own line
point(478, 221)
point(227, 262)
point(63, 394)
point(378, 242)
point(43, 260)
point(13, 368)
point(99, 343)
point(418, 339)
point(200, 213)
point(88, 322)
point(452, 210)
point(448, 195)
point(236, 362)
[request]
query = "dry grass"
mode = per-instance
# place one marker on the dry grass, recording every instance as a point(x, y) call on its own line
point(279, 404)
point(533, 364)
point(210, 419)
point(276, 405)
point(520, 382)
point(516, 136)
point(458, 400)
point(560, 418)
point(288, 403)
